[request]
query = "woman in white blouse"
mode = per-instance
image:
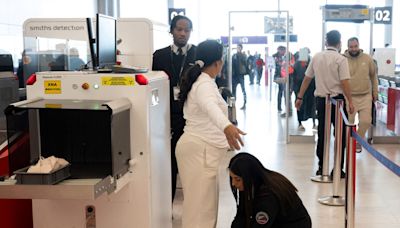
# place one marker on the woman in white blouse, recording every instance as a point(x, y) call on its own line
point(208, 134)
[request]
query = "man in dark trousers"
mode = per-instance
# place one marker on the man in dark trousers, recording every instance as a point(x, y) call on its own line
point(239, 69)
point(173, 60)
point(331, 72)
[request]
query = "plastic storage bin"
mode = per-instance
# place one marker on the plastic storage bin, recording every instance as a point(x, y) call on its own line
point(54, 177)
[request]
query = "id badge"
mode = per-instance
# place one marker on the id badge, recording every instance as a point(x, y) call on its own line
point(176, 93)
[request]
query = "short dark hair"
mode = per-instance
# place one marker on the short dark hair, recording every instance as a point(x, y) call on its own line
point(176, 19)
point(352, 39)
point(281, 48)
point(240, 45)
point(333, 38)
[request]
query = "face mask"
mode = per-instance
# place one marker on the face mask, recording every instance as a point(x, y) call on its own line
point(354, 54)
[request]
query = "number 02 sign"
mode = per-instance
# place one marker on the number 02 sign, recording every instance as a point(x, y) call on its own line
point(383, 15)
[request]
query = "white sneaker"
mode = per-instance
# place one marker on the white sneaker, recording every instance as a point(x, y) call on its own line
point(315, 127)
point(301, 128)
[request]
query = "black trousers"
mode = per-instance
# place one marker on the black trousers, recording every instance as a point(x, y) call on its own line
point(252, 74)
point(176, 134)
point(281, 92)
point(238, 79)
point(259, 74)
point(320, 104)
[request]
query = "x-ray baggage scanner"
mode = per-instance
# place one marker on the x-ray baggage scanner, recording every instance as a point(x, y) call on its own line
point(114, 130)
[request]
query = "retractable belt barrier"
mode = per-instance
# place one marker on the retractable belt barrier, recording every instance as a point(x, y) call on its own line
point(378, 156)
point(351, 138)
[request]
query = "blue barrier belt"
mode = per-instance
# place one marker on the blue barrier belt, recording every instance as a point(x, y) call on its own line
point(378, 156)
point(333, 101)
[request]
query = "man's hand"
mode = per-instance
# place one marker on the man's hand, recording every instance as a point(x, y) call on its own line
point(351, 108)
point(374, 98)
point(298, 104)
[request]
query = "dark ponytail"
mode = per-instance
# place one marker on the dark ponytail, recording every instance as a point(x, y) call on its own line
point(189, 77)
point(207, 53)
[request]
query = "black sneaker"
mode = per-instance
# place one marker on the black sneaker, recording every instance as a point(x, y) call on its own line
point(342, 174)
point(319, 171)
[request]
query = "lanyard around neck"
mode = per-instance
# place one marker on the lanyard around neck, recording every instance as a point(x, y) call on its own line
point(182, 64)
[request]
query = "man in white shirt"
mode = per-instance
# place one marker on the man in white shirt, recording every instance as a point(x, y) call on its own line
point(331, 72)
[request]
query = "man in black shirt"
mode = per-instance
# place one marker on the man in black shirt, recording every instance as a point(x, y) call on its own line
point(173, 60)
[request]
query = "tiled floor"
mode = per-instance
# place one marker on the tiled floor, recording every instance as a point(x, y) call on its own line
point(377, 189)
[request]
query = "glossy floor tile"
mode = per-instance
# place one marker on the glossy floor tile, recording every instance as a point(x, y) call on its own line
point(377, 189)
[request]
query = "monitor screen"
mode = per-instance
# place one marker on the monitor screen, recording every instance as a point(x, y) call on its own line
point(106, 41)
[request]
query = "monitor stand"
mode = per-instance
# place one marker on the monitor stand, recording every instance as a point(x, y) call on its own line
point(104, 70)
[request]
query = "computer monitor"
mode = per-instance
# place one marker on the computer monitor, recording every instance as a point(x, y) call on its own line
point(106, 32)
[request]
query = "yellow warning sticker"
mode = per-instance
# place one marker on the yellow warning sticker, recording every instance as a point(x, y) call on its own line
point(117, 81)
point(365, 11)
point(52, 86)
point(53, 105)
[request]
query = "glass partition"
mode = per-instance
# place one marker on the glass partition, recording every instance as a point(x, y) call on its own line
point(52, 54)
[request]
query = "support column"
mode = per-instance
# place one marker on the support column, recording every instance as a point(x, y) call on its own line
point(388, 28)
point(109, 7)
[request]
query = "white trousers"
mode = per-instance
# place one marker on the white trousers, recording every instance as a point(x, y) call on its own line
point(362, 107)
point(198, 164)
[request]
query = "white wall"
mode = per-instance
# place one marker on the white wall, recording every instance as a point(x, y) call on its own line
point(13, 13)
point(156, 10)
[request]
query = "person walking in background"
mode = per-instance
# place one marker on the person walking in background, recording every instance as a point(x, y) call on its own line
point(307, 109)
point(208, 134)
point(278, 57)
point(251, 60)
point(289, 63)
point(363, 84)
point(173, 60)
point(264, 198)
point(259, 66)
point(239, 70)
point(331, 72)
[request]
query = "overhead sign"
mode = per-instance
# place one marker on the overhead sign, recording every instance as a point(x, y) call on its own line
point(277, 25)
point(346, 13)
point(282, 38)
point(172, 12)
point(383, 15)
point(246, 39)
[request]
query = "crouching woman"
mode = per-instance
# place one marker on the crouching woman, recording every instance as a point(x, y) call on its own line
point(264, 198)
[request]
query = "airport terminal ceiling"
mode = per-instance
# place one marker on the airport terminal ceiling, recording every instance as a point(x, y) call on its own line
point(210, 19)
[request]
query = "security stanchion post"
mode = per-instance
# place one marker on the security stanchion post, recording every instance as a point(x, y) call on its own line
point(325, 178)
point(350, 177)
point(335, 199)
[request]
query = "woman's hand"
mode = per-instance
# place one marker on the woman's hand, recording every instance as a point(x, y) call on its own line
point(232, 134)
